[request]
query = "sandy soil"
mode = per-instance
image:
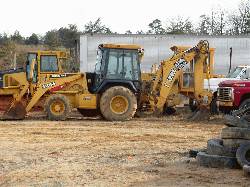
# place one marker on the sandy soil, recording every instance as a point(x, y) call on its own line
point(93, 152)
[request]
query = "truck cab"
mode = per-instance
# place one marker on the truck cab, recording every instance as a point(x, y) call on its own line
point(234, 93)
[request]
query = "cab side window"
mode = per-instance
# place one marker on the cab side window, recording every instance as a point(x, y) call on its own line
point(49, 64)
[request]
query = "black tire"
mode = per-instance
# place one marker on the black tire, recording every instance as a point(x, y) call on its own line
point(193, 107)
point(245, 103)
point(118, 91)
point(235, 143)
point(216, 161)
point(216, 147)
point(61, 115)
point(235, 133)
point(243, 155)
point(89, 112)
point(235, 121)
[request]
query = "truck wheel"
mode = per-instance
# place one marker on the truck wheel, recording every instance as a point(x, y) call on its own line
point(57, 107)
point(118, 104)
point(245, 103)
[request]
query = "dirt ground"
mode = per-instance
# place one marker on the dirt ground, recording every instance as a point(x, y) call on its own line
point(93, 152)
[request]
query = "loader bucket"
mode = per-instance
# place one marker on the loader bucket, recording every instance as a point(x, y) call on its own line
point(16, 111)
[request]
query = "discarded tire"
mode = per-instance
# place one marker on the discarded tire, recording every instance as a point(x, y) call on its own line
point(243, 155)
point(235, 143)
point(216, 147)
point(235, 121)
point(235, 133)
point(216, 161)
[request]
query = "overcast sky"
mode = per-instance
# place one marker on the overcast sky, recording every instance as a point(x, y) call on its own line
point(32, 16)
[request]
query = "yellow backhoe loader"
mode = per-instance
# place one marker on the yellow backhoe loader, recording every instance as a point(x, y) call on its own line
point(169, 80)
point(112, 90)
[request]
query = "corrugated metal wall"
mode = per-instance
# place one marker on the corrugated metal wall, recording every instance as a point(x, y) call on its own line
point(157, 48)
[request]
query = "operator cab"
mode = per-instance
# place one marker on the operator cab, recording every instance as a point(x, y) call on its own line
point(117, 64)
point(43, 62)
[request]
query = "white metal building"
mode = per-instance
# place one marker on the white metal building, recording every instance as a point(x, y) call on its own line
point(157, 48)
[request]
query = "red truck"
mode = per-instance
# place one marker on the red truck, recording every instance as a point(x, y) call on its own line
point(233, 94)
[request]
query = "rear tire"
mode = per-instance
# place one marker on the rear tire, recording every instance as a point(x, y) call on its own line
point(57, 107)
point(118, 104)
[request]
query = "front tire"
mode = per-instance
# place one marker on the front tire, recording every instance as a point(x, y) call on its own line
point(57, 107)
point(244, 104)
point(118, 104)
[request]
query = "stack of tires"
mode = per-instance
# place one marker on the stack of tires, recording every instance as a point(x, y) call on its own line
point(232, 150)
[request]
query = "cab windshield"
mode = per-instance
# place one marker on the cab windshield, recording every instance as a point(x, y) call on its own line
point(237, 72)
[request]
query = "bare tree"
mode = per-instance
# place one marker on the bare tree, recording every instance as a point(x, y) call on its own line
point(204, 25)
point(180, 25)
point(96, 27)
point(239, 21)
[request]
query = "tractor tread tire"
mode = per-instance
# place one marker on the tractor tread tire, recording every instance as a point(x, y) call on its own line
point(235, 133)
point(241, 154)
point(107, 97)
point(216, 147)
point(67, 105)
point(216, 161)
point(235, 143)
point(235, 121)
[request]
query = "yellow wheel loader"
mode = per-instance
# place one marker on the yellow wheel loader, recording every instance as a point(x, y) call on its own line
point(112, 90)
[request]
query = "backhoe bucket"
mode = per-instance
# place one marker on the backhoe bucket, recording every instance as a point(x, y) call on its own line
point(201, 114)
point(16, 111)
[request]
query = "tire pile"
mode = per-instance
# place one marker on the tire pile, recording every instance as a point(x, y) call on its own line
point(232, 150)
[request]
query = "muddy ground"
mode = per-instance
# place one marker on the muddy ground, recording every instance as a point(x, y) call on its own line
point(92, 152)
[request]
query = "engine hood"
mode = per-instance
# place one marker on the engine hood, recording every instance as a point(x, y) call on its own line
point(213, 83)
point(235, 83)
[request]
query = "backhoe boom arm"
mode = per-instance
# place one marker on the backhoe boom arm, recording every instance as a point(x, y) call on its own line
point(170, 70)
